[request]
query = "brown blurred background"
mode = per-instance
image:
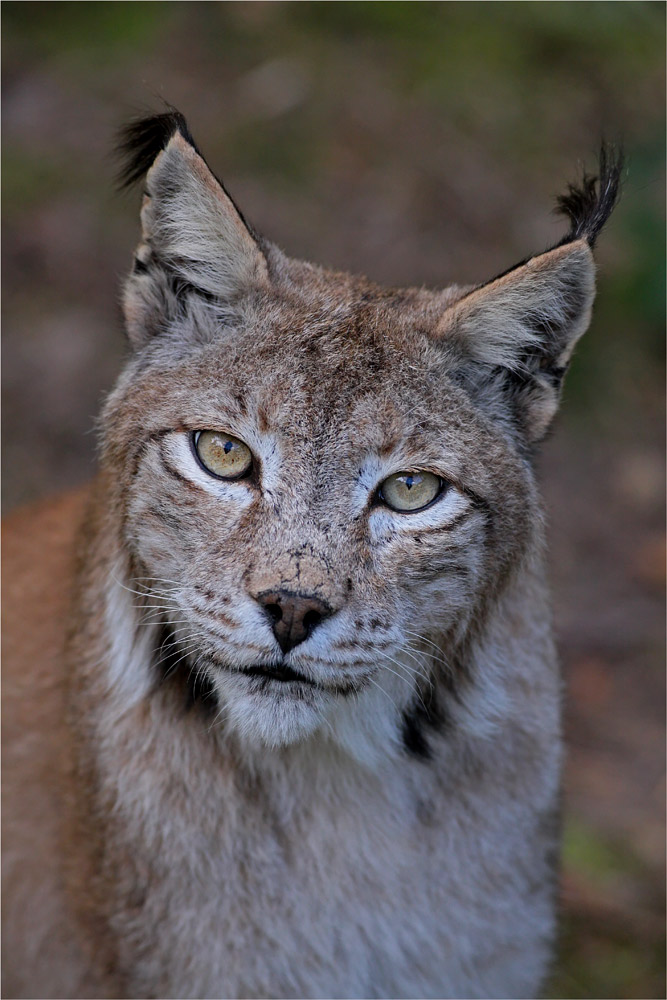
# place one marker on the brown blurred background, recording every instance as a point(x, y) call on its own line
point(419, 143)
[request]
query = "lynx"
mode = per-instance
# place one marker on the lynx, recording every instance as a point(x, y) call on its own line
point(281, 697)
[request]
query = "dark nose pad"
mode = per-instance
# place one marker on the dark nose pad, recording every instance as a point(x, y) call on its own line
point(293, 616)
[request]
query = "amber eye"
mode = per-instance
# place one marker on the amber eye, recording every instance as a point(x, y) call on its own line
point(222, 455)
point(410, 491)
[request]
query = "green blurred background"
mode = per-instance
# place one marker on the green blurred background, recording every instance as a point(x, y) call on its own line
point(419, 143)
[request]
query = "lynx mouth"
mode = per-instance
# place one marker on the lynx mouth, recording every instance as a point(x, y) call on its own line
point(288, 676)
point(280, 673)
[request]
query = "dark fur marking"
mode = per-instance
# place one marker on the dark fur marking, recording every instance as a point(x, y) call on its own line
point(194, 688)
point(428, 712)
point(139, 267)
point(589, 205)
point(442, 571)
point(176, 474)
point(216, 616)
point(424, 714)
point(414, 739)
point(171, 520)
point(143, 139)
point(421, 533)
point(138, 454)
point(182, 289)
point(364, 644)
point(492, 386)
point(388, 447)
point(554, 374)
point(241, 403)
point(262, 418)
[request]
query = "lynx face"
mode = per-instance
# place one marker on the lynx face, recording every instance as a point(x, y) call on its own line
point(330, 404)
point(266, 439)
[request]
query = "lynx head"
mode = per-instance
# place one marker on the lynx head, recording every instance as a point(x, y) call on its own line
point(323, 485)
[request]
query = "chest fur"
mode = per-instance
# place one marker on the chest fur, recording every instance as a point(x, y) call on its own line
point(317, 878)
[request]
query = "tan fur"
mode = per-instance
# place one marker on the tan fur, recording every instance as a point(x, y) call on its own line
point(37, 569)
point(388, 828)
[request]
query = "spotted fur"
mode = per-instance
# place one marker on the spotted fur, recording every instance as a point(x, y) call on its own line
point(374, 811)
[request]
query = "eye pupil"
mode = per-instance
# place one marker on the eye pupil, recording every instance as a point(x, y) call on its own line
point(228, 447)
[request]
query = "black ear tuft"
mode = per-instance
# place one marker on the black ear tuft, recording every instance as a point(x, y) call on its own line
point(140, 141)
point(589, 205)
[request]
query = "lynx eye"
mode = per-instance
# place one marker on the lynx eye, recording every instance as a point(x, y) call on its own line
point(222, 455)
point(410, 491)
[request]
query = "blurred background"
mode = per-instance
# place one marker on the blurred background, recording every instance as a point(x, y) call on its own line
point(419, 143)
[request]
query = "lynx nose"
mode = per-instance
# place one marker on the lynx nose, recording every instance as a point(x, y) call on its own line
point(293, 616)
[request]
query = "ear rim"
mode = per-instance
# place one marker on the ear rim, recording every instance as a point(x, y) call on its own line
point(178, 146)
point(140, 145)
point(524, 326)
point(194, 238)
point(143, 138)
point(588, 205)
point(458, 320)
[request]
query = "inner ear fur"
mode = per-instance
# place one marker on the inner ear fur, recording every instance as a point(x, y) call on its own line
point(193, 237)
point(189, 219)
point(527, 322)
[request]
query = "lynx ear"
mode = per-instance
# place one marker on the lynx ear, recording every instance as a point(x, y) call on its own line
point(526, 323)
point(194, 239)
point(521, 328)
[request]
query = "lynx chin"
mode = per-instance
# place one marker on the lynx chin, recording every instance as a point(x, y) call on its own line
point(281, 697)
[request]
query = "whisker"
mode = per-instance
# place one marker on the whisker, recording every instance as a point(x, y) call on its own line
point(385, 693)
point(422, 673)
point(148, 591)
point(396, 674)
point(413, 690)
point(177, 647)
point(199, 667)
point(158, 609)
point(158, 579)
point(218, 719)
point(157, 620)
point(438, 657)
point(192, 639)
point(161, 606)
point(422, 638)
point(172, 666)
point(399, 663)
